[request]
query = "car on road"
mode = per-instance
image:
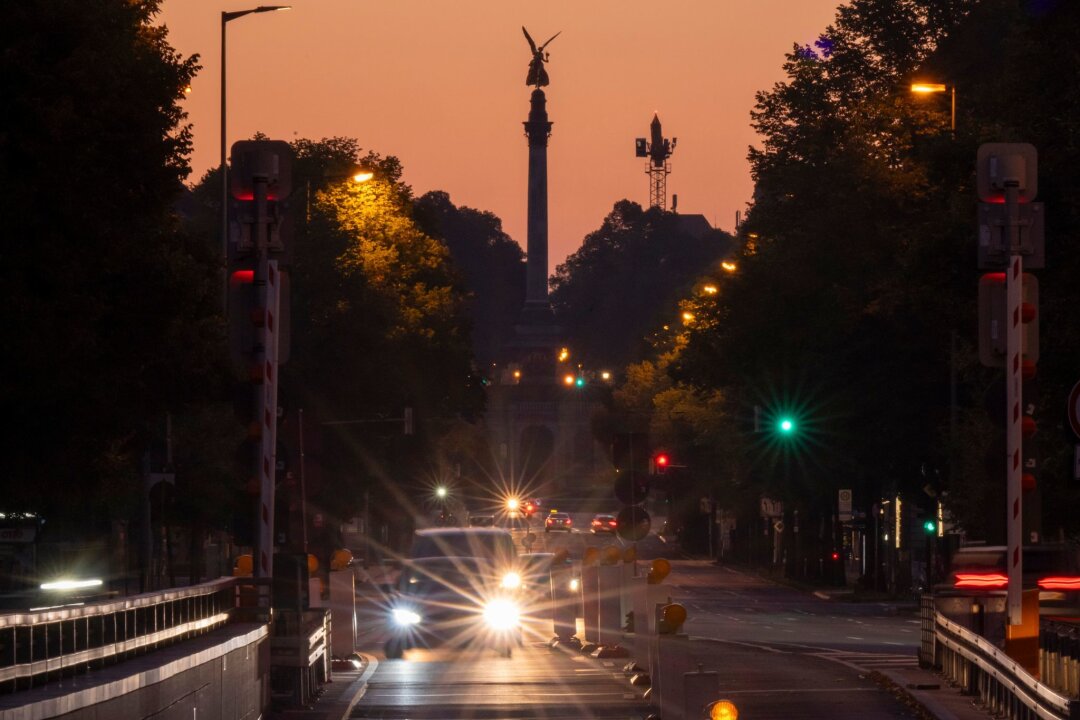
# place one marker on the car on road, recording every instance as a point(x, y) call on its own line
point(459, 587)
point(1051, 568)
point(481, 521)
point(558, 521)
point(603, 524)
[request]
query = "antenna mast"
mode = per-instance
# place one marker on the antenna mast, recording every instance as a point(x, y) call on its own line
point(657, 149)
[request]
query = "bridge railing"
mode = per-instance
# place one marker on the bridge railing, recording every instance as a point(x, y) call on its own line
point(980, 668)
point(38, 647)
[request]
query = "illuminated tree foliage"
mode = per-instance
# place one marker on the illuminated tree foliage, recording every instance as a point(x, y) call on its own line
point(378, 326)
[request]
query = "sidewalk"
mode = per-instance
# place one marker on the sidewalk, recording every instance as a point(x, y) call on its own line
point(338, 697)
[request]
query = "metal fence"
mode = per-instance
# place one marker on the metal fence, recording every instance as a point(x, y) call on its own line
point(1004, 687)
point(43, 646)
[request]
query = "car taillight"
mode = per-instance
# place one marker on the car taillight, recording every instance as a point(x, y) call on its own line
point(1059, 582)
point(567, 521)
point(595, 522)
point(611, 523)
point(984, 581)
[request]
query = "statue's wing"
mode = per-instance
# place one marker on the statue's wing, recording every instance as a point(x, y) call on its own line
point(529, 38)
point(549, 39)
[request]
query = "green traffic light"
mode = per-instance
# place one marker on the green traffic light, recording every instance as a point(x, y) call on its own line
point(929, 526)
point(786, 425)
point(580, 382)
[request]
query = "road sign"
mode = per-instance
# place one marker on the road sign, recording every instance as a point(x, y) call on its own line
point(844, 504)
point(999, 164)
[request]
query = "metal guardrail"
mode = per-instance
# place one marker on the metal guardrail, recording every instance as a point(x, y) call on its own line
point(981, 668)
point(43, 646)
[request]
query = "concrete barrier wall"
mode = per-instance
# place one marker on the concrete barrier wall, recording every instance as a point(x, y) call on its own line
point(222, 675)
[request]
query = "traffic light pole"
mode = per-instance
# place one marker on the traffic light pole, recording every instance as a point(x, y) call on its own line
point(266, 283)
point(1013, 404)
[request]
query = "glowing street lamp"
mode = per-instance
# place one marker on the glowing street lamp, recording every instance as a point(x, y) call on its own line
point(441, 492)
point(728, 267)
point(512, 504)
point(935, 88)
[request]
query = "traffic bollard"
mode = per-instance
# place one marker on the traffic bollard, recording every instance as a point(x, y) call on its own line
point(590, 579)
point(640, 654)
point(609, 604)
point(672, 661)
point(609, 617)
point(699, 690)
point(565, 593)
point(629, 573)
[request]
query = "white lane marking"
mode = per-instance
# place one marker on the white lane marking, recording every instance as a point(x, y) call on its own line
point(799, 690)
point(852, 637)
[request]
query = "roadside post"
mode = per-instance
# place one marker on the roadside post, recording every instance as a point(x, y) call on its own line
point(666, 692)
point(699, 689)
point(609, 606)
point(590, 580)
point(564, 599)
point(1010, 228)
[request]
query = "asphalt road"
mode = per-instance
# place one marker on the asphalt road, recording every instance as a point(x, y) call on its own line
point(778, 653)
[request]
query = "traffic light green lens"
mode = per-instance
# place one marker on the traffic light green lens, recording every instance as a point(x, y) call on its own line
point(786, 426)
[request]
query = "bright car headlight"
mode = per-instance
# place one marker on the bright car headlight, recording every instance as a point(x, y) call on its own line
point(574, 584)
point(511, 581)
point(405, 618)
point(501, 615)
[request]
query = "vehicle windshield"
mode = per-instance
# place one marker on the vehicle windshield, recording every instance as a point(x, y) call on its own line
point(495, 546)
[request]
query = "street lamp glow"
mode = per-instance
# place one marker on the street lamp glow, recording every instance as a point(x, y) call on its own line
point(605, 375)
point(688, 317)
point(710, 289)
point(927, 88)
point(512, 504)
point(440, 492)
point(568, 379)
point(935, 88)
point(564, 355)
point(728, 266)
point(363, 176)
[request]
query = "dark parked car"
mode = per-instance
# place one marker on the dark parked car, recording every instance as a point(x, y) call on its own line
point(459, 587)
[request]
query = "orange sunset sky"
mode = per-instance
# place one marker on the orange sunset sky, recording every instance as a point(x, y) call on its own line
point(441, 85)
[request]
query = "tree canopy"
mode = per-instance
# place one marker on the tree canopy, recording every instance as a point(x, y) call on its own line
point(109, 309)
point(626, 280)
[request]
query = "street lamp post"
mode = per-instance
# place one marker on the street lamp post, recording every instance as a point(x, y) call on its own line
point(225, 18)
point(933, 88)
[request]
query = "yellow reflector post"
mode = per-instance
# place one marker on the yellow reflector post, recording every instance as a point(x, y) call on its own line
point(340, 559)
point(723, 710)
point(673, 616)
point(590, 556)
point(243, 566)
point(658, 570)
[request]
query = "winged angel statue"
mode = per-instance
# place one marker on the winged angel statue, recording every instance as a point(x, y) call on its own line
point(538, 76)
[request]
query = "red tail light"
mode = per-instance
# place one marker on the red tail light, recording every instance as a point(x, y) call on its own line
point(983, 581)
point(836, 556)
point(611, 523)
point(1060, 583)
point(567, 521)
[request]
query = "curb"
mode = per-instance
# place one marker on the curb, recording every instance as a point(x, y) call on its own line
point(355, 691)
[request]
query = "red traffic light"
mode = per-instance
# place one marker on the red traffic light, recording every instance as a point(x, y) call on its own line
point(660, 463)
point(835, 556)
